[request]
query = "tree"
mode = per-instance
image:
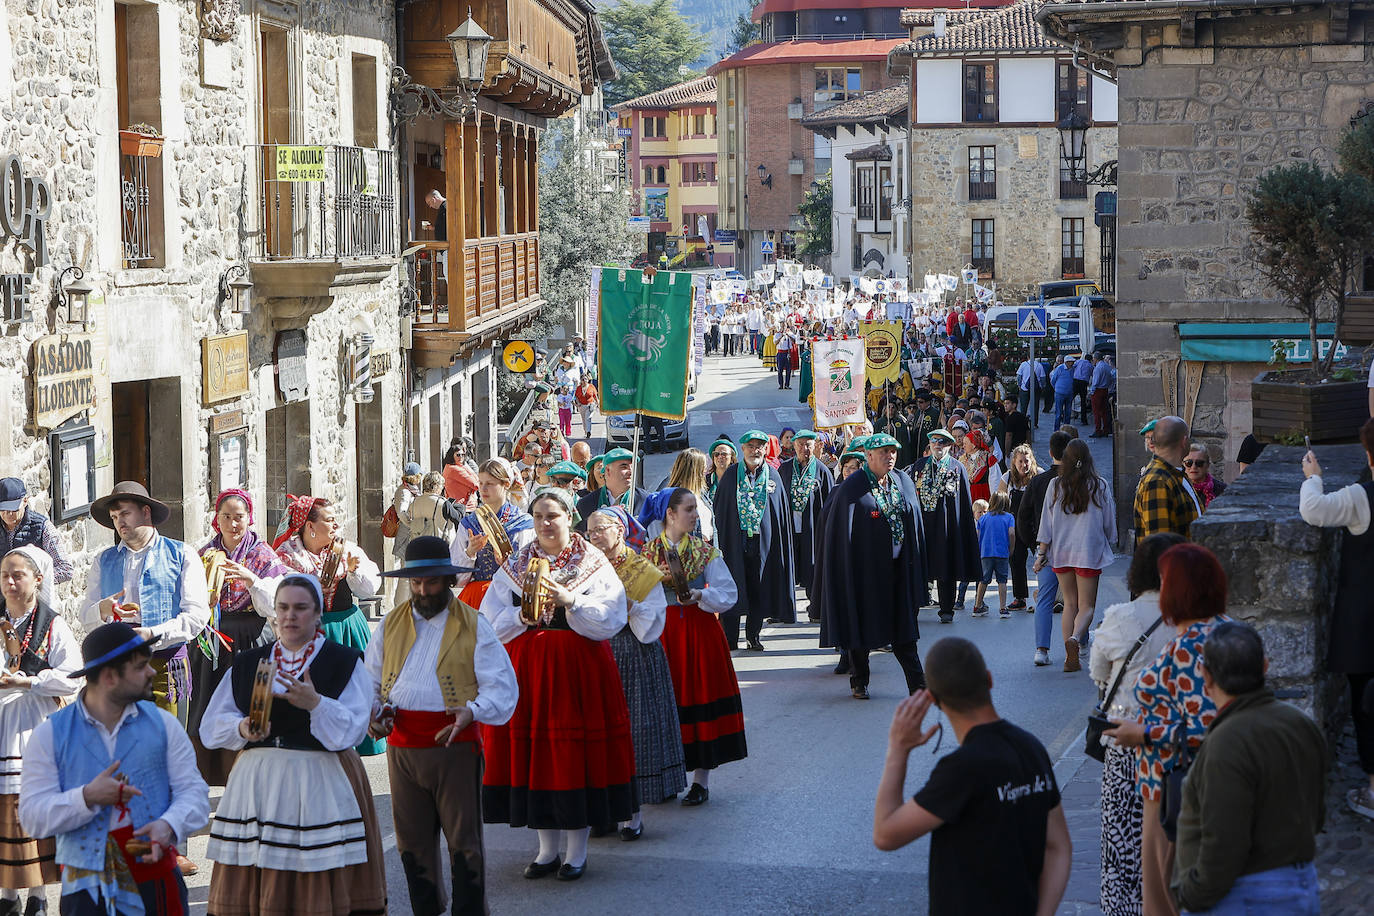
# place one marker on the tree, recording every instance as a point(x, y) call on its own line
point(817, 210)
point(745, 31)
point(652, 46)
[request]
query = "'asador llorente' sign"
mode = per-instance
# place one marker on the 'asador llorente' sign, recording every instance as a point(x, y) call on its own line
point(63, 378)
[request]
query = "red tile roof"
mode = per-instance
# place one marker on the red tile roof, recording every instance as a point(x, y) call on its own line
point(790, 52)
point(700, 91)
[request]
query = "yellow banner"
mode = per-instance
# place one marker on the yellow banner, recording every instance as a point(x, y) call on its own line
point(300, 163)
point(882, 350)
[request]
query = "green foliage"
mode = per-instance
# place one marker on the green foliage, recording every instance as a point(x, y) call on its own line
point(652, 45)
point(744, 32)
point(1356, 149)
point(1291, 437)
point(817, 210)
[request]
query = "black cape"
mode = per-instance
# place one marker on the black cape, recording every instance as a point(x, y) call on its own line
point(774, 574)
point(591, 501)
point(869, 599)
point(951, 538)
point(804, 541)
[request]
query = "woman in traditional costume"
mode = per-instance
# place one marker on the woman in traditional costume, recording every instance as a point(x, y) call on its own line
point(39, 653)
point(296, 831)
point(654, 725)
point(704, 682)
point(980, 463)
point(565, 760)
point(239, 612)
point(470, 547)
point(308, 541)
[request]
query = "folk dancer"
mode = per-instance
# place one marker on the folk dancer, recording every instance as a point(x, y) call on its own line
point(619, 490)
point(296, 830)
point(307, 535)
point(874, 577)
point(644, 673)
point(438, 671)
point(241, 613)
point(109, 769)
point(754, 534)
point(39, 654)
point(708, 696)
point(808, 484)
point(950, 539)
point(470, 551)
point(565, 760)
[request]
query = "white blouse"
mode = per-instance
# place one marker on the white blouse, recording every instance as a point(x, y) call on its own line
point(719, 592)
point(337, 724)
point(460, 555)
point(648, 617)
point(598, 610)
point(22, 708)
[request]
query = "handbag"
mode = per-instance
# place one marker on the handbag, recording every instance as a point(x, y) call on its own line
point(1097, 720)
point(1171, 801)
point(391, 523)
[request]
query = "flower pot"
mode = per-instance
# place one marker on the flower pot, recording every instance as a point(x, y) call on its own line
point(1326, 411)
point(132, 143)
point(1357, 322)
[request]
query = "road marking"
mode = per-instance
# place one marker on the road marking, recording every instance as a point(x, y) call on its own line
point(743, 418)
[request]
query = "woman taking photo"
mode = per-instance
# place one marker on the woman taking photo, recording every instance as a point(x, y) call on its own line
point(565, 760)
point(240, 612)
point(1077, 527)
point(1021, 467)
point(708, 697)
point(470, 547)
point(654, 726)
point(1121, 629)
point(297, 826)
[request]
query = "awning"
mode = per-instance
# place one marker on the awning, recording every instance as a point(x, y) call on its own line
point(1252, 342)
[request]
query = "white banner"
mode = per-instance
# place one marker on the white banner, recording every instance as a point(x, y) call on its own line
point(593, 313)
point(838, 370)
point(813, 277)
point(698, 323)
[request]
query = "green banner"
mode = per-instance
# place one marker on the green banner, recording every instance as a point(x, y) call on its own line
point(644, 340)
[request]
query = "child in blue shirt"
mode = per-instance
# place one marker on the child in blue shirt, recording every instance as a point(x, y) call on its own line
point(995, 531)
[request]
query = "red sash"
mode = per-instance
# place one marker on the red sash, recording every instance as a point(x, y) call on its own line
point(417, 728)
point(163, 872)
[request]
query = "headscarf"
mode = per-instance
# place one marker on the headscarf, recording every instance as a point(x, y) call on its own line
point(635, 535)
point(312, 580)
point(564, 498)
point(655, 506)
point(251, 551)
point(41, 559)
point(297, 508)
point(236, 493)
point(773, 454)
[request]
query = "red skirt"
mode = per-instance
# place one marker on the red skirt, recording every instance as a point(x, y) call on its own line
point(565, 759)
point(708, 699)
point(473, 593)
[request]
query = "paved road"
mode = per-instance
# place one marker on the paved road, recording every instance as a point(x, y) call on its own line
point(789, 829)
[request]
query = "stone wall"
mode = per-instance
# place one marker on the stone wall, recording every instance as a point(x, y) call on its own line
point(1282, 571)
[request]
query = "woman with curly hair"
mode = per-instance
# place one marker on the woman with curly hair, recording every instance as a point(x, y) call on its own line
point(1021, 467)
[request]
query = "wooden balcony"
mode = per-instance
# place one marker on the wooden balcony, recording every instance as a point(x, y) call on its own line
point(501, 295)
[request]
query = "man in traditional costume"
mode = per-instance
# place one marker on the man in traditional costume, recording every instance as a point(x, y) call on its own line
point(438, 670)
point(808, 484)
point(754, 535)
point(874, 570)
point(618, 466)
point(109, 769)
point(951, 539)
point(39, 654)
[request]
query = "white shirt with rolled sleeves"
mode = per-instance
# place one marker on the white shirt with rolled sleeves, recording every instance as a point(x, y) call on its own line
point(1346, 508)
point(193, 598)
point(417, 686)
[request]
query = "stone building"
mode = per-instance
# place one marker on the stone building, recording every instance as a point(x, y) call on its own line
point(994, 181)
point(1210, 97)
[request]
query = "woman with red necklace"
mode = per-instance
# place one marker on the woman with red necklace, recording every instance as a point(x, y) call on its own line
point(297, 825)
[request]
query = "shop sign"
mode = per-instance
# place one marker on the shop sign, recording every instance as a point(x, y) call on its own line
point(223, 422)
point(300, 163)
point(292, 377)
point(25, 204)
point(224, 367)
point(63, 378)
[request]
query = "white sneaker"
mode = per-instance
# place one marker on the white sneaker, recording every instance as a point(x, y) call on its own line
point(1361, 801)
point(1042, 657)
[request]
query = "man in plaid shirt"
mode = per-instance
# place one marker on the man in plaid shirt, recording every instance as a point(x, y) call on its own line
point(1164, 500)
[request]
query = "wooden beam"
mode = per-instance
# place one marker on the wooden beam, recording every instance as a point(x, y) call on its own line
point(455, 188)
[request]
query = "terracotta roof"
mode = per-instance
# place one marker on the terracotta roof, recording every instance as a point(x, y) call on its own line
point(1012, 30)
point(885, 104)
point(926, 17)
point(791, 52)
point(700, 91)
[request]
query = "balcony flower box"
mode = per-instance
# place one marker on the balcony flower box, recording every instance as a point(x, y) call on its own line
point(133, 143)
point(1357, 322)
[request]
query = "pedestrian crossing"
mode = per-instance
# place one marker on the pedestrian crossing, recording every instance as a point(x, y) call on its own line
point(738, 421)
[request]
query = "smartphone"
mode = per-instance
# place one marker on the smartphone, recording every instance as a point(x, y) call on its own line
point(1308, 440)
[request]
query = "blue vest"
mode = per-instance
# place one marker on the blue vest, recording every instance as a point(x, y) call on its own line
point(141, 749)
point(159, 588)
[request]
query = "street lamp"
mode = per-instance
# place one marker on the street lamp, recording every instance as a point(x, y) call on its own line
point(765, 177)
point(470, 46)
point(885, 195)
point(76, 294)
point(1073, 133)
point(236, 289)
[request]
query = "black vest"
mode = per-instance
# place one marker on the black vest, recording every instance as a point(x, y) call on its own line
point(330, 672)
point(1352, 620)
point(39, 623)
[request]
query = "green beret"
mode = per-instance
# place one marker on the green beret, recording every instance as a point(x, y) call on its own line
point(617, 454)
point(805, 434)
point(720, 441)
point(857, 443)
point(942, 433)
point(852, 454)
point(1148, 427)
point(880, 440)
point(567, 469)
point(754, 435)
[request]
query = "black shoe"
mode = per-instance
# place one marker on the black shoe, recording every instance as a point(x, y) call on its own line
point(536, 870)
point(842, 666)
point(630, 834)
point(1018, 605)
point(696, 795)
point(754, 645)
point(37, 906)
point(959, 605)
point(773, 620)
point(571, 872)
point(1059, 607)
point(859, 693)
point(946, 618)
point(10, 907)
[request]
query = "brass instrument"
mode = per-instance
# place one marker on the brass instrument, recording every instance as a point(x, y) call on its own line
point(14, 646)
point(260, 702)
point(678, 576)
point(535, 593)
point(494, 531)
point(333, 559)
point(214, 573)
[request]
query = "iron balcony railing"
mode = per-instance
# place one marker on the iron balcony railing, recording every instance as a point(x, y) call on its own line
point(982, 190)
point(135, 210)
point(315, 202)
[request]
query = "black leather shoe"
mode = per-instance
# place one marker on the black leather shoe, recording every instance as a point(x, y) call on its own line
point(571, 872)
point(696, 795)
point(37, 906)
point(536, 870)
point(10, 907)
point(842, 666)
point(946, 618)
point(859, 693)
point(755, 646)
point(630, 834)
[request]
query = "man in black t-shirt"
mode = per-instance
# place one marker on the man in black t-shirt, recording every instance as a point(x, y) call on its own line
point(1017, 423)
point(999, 842)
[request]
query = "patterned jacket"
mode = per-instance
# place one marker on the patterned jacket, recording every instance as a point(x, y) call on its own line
point(1163, 501)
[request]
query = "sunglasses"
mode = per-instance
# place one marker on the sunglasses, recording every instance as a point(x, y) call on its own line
point(1196, 463)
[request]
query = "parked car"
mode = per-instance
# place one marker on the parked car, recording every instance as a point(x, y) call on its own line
point(1069, 338)
point(1061, 289)
point(620, 433)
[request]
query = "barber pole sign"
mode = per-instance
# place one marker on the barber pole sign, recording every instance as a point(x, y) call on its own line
point(360, 368)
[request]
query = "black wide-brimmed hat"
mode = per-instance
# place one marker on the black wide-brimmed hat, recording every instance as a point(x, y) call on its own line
point(131, 490)
point(427, 556)
point(108, 643)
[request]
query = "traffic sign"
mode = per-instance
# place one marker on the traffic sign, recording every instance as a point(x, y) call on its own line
point(518, 355)
point(767, 247)
point(1031, 321)
point(624, 132)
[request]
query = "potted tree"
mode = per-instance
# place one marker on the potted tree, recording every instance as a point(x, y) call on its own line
point(1310, 228)
point(141, 140)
